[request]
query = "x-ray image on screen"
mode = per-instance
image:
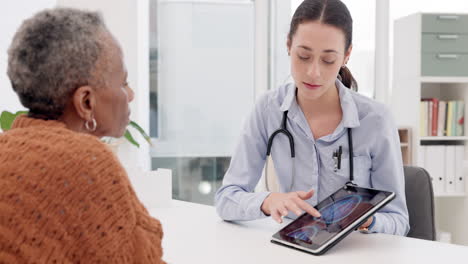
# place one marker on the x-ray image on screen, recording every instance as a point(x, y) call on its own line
point(337, 212)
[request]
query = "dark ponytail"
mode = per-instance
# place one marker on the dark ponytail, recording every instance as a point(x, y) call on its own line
point(329, 12)
point(347, 78)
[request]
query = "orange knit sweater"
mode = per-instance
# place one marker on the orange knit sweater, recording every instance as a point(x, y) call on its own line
point(65, 198)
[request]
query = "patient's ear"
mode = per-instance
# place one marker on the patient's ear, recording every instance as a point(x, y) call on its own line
point(84, 102)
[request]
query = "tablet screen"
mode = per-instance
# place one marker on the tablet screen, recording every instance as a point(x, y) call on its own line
point(338, 211)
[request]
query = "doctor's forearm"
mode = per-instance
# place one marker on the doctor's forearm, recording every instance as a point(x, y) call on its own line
point(238, 205)
point(390, 223)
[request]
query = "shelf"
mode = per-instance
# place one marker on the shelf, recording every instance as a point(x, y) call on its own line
point(404, 134)
point(449, 195)
point(443, 138)
point(437, 79)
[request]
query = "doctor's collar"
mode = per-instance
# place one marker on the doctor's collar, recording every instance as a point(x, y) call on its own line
point(350, 113)
point(348, 106)
point(289, 98)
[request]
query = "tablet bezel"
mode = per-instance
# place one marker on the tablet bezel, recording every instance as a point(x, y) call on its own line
point(276, 238)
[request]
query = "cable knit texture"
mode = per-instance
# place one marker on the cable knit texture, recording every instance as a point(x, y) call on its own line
point(65, 198)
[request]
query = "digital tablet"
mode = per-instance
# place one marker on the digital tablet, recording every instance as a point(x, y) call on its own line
point(342, 212)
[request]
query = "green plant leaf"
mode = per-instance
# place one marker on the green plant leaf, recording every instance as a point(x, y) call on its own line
point(142, 132)
point(7, 118)
point(130, 138)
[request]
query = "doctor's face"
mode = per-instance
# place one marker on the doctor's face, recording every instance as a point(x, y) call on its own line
point(317, 52)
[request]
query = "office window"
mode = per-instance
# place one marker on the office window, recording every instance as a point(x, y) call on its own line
point(362, 61)
point(201, 89)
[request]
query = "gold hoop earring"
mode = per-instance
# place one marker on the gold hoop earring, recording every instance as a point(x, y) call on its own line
point(92, 127)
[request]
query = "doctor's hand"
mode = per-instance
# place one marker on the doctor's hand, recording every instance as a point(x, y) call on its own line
point(278, 204)
point(367, 223)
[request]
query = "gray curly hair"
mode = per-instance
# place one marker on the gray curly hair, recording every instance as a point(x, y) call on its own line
point(51, 55)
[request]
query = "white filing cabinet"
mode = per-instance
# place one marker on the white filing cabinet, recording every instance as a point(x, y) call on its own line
point(430, 61)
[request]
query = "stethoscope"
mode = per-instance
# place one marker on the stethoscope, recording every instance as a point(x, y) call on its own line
point(284, 130)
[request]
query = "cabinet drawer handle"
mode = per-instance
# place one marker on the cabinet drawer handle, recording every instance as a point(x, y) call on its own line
point(447, 36)
point(447, 56)
point(448, 17)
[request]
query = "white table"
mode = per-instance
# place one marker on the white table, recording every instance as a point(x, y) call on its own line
point(194, 233)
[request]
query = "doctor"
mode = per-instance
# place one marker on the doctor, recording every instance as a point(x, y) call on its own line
point(323, 115)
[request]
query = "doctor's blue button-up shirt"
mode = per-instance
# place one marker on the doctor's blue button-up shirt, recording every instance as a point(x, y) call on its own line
point(376, 147)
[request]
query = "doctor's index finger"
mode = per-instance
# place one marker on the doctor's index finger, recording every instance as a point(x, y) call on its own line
point(308, 208)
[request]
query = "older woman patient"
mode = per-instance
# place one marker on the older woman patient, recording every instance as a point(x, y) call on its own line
point(64, 197)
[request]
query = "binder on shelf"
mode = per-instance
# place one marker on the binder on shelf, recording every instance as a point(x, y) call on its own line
point(435, 114)
point(429, 120)
point(460, 121)
point(450, 118)
point(441, 119)
point(450, 164)
point(435, 165)
point(454, 118)
point(459, 169)
point(446, 118)
point(423, 118)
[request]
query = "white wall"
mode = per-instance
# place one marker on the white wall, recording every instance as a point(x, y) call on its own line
point(128, 20)
point(12, 14)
